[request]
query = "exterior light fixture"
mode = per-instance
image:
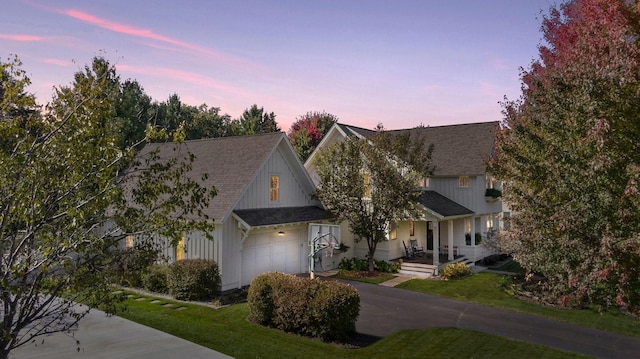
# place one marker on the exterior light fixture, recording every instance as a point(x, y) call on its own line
point(281, 233)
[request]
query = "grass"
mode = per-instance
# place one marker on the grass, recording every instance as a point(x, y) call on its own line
point(227, 330)
point(511, 266)
point(365, 276)
point(483, 288)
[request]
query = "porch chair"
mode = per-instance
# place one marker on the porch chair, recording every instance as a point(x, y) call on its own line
point(406, 250)
point(415, 248)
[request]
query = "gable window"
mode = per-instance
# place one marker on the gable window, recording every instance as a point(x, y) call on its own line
point(367, 185)
point(463, 181)
point(274, 188)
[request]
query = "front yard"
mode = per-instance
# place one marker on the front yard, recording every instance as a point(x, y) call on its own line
point(227, 330)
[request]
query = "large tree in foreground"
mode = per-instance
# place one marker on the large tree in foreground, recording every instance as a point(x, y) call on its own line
point(371, 182)
point(570, 155)
point(63, 197)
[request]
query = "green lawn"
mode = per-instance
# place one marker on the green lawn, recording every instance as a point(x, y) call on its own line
point(360, 277)
point(483, 288)
point(227, 330)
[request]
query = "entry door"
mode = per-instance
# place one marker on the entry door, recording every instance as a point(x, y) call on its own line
point(429, 236)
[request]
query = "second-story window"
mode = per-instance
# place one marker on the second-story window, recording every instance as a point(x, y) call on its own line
point(275, 186)
point(463, 181)
point(367, 185)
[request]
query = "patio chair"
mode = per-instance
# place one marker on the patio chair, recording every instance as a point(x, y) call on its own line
point(415, 248)
point(406, 250)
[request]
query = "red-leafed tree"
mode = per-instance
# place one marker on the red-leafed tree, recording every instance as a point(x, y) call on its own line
point(570, 155)
point(306, 133)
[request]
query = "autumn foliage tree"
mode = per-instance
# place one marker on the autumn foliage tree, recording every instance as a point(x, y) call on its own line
point(569, 152)
point(306, 133)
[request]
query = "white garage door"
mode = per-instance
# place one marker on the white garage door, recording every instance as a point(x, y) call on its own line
point(269, 252)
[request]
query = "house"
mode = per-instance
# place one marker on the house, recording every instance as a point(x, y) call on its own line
point(460, 200)
point(262, 211)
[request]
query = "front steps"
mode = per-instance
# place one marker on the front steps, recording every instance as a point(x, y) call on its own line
point(418, 269)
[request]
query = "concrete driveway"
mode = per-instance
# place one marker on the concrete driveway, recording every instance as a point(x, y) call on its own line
point(103, 337)
point(385, 311)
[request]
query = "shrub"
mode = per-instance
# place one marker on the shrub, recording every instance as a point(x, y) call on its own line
point(156, 278)
point(312, 307)
point(455, 271)
point(360, 265)
point(193, 279)
point(129, 265)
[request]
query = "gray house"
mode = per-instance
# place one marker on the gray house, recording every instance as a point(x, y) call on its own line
point(460, 200)
point(262, 210)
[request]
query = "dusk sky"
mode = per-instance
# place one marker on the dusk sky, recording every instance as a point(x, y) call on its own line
point(399, 63)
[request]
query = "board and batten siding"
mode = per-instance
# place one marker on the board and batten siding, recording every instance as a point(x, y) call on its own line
point(291, 192)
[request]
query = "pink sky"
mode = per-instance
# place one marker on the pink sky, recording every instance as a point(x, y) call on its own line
point(400, 63)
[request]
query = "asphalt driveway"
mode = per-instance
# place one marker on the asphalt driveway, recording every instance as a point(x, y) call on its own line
point(386, 310)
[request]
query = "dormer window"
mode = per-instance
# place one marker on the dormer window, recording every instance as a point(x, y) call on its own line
point(463, 181)
point(274, 189)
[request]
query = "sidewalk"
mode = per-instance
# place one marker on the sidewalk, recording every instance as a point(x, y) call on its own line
point(105, 337)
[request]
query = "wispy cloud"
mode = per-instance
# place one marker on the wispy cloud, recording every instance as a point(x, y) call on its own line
point(180, 75)
point(151, 35)
point(58, 62)
point(23, 38)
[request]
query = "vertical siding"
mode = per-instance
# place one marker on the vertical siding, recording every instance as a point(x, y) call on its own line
point(471, 197)
point(291, 192)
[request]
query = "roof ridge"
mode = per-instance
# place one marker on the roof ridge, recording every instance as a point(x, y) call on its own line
point(228, 137)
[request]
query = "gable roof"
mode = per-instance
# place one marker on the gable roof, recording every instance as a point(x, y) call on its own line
point(443, 206)
point(231, 163)
point(458, 149)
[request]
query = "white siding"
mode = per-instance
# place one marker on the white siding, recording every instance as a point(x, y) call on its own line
point(291, 191)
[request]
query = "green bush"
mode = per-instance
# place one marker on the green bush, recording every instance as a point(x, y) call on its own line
point(128, 265)
point(193, 279)
point(455, 271)
point(360, 265)
point(312, 307)
point(156, 278)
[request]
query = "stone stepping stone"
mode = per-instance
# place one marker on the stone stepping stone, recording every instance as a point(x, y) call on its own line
point(141, 299)
point(181, 308)
point(168, 305)
point(131, 296)
point(155, 301)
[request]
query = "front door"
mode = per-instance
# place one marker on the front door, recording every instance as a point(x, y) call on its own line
point(429, 236)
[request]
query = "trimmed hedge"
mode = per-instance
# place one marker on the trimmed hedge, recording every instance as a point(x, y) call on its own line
point(193, 279)
point(156, 279)
point(455, 271)
point(128, 265)
point(312, 307)
point(361, 265)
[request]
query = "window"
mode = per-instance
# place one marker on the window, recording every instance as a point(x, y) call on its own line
point(393, 230)
point(412, 231)
point(467, 225)
point(128, 241)
point(275, 185)
point(506, 222)
point(367, 185)
point(180, 249)
point(423, 182)
point(463, 181)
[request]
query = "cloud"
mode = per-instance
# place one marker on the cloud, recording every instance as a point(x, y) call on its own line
point(58, 62)
point(151, 35)
point(23, 38)
point(186, 76)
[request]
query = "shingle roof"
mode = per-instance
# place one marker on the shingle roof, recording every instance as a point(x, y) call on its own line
point(443, 205)
point(272, 216)
point(458, 149)
point(230, 162)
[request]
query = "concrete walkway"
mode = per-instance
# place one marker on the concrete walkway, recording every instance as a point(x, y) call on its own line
point(103, 337)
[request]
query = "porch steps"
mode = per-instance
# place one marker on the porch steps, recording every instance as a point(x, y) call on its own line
point(418, 269)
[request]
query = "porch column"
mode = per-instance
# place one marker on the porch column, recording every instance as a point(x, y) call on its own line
point(473, 231)
point(450, 238)
point(436, 245)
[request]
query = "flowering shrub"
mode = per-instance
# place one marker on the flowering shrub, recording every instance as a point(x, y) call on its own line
point(455, 271)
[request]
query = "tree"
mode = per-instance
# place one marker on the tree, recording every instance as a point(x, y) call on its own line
point(569, 153)
point(370, 182)
point(253, 121)
point(132, 113)
point(306, 133)
point(65, 203)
